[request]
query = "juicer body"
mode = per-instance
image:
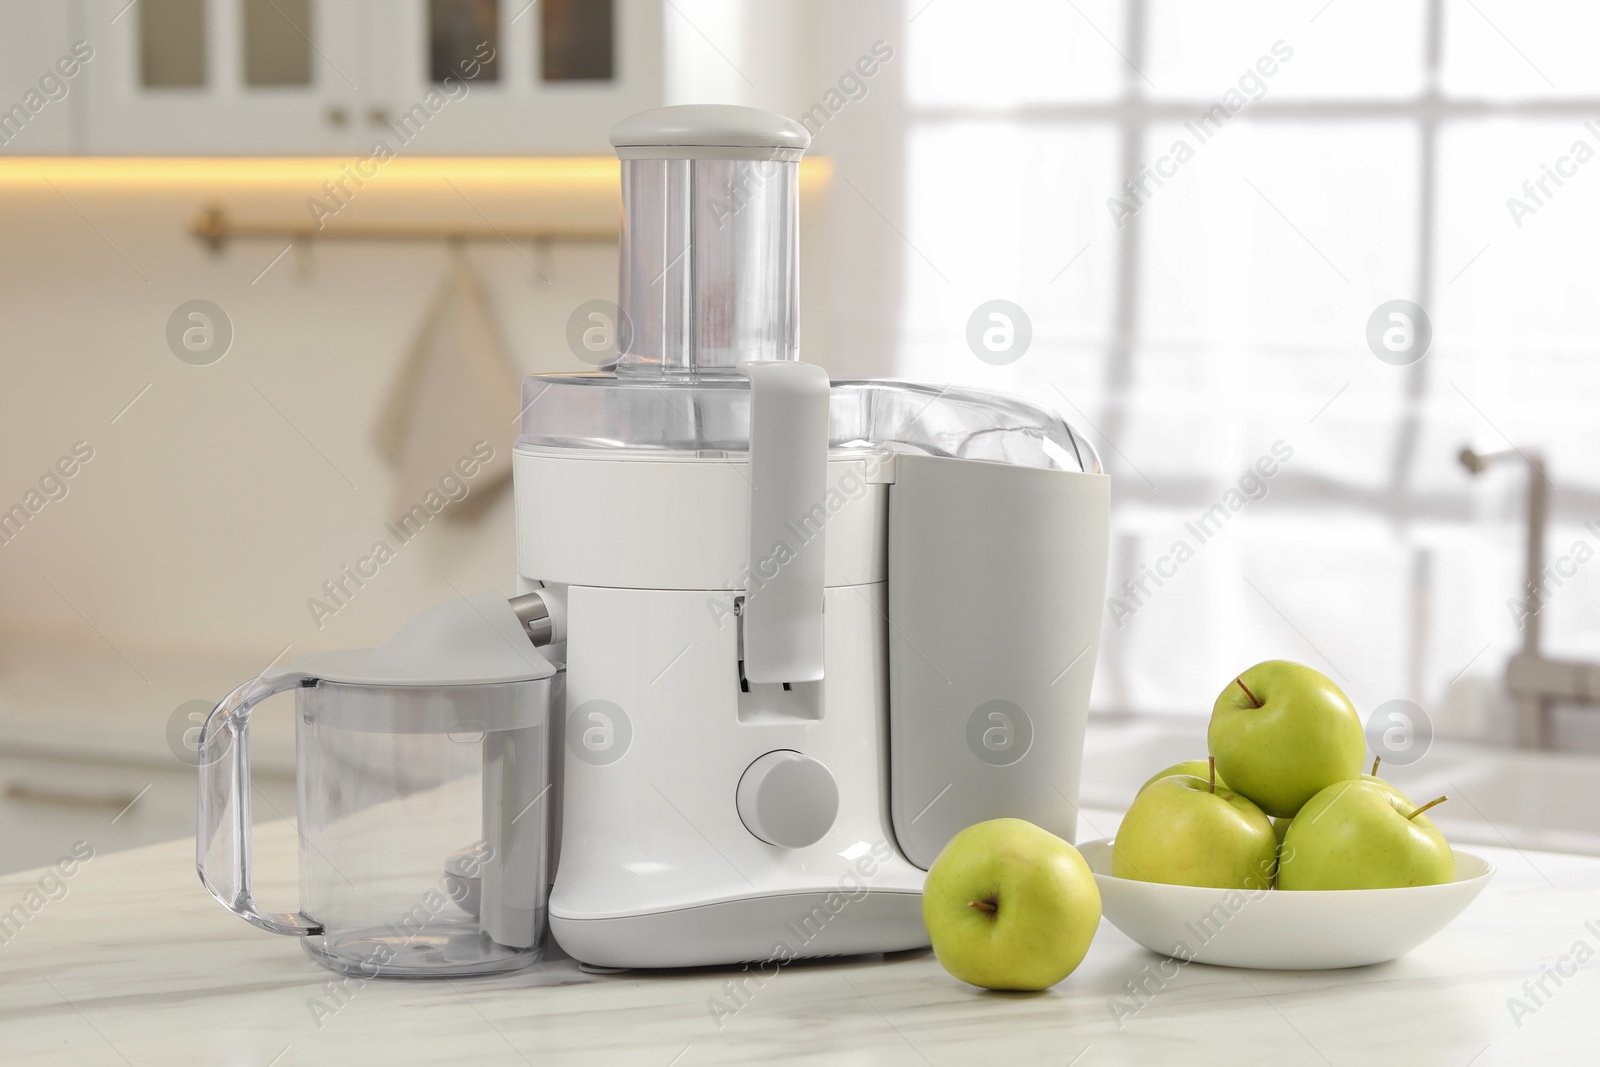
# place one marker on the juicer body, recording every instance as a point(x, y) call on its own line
point(657, 866)
point(659, 862)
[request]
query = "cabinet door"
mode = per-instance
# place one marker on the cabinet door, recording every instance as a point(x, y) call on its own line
point(37, 96)
point(201, 77)
point(513, 76)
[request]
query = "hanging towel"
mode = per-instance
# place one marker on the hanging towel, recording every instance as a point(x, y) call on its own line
point(456, 388)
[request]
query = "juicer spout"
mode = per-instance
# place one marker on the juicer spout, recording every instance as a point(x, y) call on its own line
point(534, 611)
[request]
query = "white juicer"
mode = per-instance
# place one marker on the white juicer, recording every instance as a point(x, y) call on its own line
point(810, 630)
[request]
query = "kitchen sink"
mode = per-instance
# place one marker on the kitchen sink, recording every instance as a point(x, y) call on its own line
point(1498, 796)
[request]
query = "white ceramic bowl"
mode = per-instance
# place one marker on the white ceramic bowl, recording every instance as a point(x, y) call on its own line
point(1278, 931)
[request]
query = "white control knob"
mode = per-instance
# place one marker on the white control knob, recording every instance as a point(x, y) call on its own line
point(787, 799)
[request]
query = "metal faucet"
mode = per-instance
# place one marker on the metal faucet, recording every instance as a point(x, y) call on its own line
point(1536, 682)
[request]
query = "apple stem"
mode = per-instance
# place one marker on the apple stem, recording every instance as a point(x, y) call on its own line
point(1436, 801)
point(1375, 761)
point(1253, 701)
point(1211, 765)
point(983, 905)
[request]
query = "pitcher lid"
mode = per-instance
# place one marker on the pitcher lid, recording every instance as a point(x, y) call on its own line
point(472, 640)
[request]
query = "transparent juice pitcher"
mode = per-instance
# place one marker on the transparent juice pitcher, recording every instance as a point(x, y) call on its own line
point(423, 771)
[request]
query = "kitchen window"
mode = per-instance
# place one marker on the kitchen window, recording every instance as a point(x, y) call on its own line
point(1222, 310)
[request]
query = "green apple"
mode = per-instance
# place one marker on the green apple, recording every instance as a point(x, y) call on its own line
point(1009, 905)
point(1281, 733)
point(1372, 776)
point(1363, 835)
point(1197, 768)
point(1184, 830)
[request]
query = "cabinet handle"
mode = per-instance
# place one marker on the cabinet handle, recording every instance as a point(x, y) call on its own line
point(35, 794)
point(336, 116)
point(378, 116)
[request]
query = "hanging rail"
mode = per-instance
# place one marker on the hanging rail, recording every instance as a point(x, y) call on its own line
point(214, 226)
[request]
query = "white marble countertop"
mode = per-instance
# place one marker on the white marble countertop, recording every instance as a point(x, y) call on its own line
point(136, 965)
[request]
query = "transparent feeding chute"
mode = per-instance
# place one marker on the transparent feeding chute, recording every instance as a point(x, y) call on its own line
point(709, 279)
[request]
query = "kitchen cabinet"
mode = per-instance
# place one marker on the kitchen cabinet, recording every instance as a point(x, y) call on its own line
point(38, 105)
point(315, 77)
point(564, 71)
point(226, 77)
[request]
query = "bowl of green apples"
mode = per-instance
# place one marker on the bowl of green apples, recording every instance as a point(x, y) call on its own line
point(1277, 852)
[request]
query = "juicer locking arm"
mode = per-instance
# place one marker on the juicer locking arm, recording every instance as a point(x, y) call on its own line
point(782, 617)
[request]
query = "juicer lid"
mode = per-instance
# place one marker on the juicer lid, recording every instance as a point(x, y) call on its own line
point(709, 131)
point(473, 640)
point(709, 418)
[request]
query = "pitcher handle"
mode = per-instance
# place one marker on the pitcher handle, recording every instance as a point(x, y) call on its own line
point(222, 840)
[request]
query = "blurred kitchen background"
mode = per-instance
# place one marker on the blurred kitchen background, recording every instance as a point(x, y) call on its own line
point(1202, 215)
